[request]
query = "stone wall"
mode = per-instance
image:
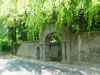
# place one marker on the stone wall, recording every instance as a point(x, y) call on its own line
point(85, 47)
point(29, 50)
point(75, 48)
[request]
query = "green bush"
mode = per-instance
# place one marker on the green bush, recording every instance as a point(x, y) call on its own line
point(3, 44)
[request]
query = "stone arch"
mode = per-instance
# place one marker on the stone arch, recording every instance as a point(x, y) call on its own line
point(53, 47)
point(47, 31)
point(65, 42)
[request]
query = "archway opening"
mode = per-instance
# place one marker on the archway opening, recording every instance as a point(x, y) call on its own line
point(53, 46)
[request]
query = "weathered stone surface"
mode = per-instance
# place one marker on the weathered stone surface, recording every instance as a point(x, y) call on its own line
point(46, 53)
point(86, 47)
point(29, 50)
point(73, 48)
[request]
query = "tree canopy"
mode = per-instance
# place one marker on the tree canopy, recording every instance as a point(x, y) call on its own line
point(23, 20)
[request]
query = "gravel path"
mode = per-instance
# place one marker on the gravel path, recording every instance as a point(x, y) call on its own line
point(16, 66)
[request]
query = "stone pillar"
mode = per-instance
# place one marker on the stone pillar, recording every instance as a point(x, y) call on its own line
point(47, 52)
point(79, 47)
point(63, 52)
point(41, 52)
point(68, 51)
point(44, 52)
point(66, 46)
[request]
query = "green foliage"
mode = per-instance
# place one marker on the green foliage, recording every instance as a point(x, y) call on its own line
point(37, 13)
point(55, 38)
point(2, 44)
point(23, 20)
point(67, 12)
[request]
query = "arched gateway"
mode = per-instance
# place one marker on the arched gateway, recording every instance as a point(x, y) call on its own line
point(55, 51)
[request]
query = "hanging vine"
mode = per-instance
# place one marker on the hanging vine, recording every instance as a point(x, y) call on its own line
point(77, 14)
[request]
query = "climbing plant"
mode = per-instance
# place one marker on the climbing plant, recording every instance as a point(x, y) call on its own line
point(72, 13)
point(79, 14)
point(23, 20)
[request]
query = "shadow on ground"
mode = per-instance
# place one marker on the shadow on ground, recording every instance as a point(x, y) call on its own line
point(19, 65)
